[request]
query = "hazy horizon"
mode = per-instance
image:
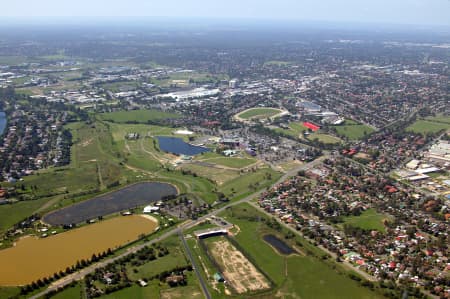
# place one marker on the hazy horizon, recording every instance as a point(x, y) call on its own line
point(384, 12)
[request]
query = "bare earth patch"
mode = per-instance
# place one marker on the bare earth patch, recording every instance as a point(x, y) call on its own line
point(241, 274)
point(87, 142)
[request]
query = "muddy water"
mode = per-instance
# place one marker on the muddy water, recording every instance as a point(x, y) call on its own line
point(33, 258)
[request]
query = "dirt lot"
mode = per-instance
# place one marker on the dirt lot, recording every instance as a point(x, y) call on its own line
point(241, 275)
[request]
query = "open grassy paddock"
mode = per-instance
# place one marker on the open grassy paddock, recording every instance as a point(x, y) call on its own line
point(138, 116)
point(369, 219)
point(135, 291)
point(231, 162)
point(431, 124)
point(71, 292)
point(191, 292)
point(439, 118)
point(249, 182)
point(218, 175)
point(154, 291)
point(9, 292)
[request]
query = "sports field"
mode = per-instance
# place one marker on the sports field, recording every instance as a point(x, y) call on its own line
point(259, 113)
point(353, 130)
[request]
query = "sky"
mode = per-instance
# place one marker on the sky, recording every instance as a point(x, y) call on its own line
point(418, 12)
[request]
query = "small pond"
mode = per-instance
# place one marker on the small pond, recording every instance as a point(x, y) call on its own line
point(178, 146)
point(278, 244)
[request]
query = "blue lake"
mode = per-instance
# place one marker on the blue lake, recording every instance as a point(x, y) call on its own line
point(178, 146)
point(2, 122)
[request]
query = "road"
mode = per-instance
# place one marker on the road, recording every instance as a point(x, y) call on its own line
point(176, 230)
point(195, 266)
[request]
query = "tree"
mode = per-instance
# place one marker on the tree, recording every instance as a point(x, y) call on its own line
point(94, 258)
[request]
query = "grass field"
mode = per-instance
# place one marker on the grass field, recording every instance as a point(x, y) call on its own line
point(135, 292)
point(439, 118)
point(139, 116)
point(11, 214)
point(296, 276)
point(353, 130)
point(295, 130)
point(259, 113)
point(369, 219)
point(249, 182)
point(154, 291)
point(232, 162)
point(72, 292)
point(430, 125)
point(324, 138)
point(8, 292)
point(218, 175)
point(191, 292)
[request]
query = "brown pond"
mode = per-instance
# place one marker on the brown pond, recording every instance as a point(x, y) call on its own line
point(33, 258)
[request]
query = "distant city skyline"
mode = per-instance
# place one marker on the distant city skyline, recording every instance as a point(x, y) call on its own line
point(417, 12)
